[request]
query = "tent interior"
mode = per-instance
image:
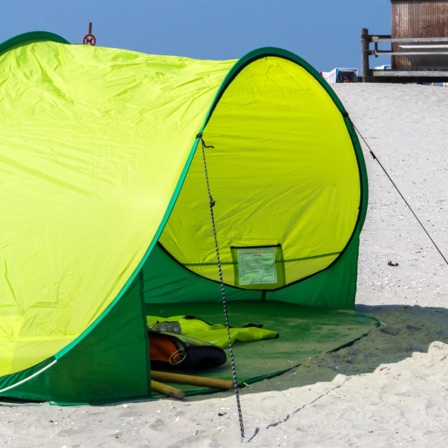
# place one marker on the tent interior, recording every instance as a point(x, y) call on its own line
point(139, 185)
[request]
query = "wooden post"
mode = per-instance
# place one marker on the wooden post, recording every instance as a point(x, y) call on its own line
point(365, 53)
point(192, 379)
point(167, 390)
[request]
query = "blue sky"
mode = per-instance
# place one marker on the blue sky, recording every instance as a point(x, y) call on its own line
point(326, 33)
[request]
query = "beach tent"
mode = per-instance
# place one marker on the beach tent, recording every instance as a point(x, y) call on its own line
point(112, 163)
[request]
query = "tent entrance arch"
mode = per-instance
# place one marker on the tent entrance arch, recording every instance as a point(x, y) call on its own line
point(259, 173)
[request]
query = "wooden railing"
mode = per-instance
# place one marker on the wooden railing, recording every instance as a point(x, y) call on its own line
point(367, 40)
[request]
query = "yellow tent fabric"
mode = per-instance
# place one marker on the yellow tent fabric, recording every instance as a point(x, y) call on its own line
point(86, 133)
point(105, 162)
point(275, 167)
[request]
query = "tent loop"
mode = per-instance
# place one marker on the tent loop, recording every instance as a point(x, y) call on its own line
point(212, 201)
point(203, 142)
point(223, 294)
point(401, 195)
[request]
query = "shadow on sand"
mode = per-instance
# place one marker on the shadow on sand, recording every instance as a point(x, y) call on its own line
point(404, 330)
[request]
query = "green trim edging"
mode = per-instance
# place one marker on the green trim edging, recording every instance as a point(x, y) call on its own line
point(311, 257)
point(33, 36)
point(14, 380)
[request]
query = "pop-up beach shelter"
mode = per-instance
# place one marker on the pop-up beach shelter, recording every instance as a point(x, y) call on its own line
point(113, 162)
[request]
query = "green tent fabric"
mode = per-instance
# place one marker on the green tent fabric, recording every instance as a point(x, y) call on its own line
point(105, 160)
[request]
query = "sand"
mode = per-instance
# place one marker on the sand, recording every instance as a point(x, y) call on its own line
point(389, 388)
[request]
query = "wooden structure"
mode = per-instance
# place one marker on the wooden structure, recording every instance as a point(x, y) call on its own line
point(419, 19)
point(418, 43)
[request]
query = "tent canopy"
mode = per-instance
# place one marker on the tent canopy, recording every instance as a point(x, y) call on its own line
point(108, 160)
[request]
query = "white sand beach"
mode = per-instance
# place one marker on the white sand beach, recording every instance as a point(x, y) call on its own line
point(388, 389)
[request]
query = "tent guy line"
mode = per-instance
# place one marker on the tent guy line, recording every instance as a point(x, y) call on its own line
point(223, 292)
point(402, 197)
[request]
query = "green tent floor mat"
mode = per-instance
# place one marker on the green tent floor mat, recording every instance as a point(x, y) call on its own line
point(303, 333)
